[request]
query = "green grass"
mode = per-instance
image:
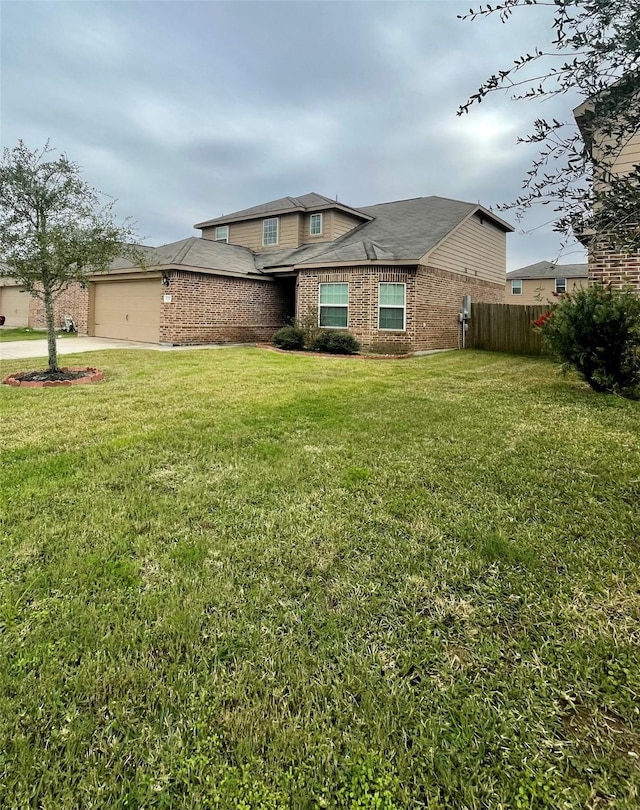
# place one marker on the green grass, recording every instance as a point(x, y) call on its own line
point(241, 579)
point(26, 333)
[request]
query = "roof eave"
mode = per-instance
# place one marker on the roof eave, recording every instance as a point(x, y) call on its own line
point(164, 268)
point(358, 263)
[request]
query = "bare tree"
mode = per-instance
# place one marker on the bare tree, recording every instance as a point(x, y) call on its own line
point(594, 49)
point(54, 229)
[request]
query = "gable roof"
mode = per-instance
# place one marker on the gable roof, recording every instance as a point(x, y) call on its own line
point(549, 270)
point(285, 205)
point(404, 230)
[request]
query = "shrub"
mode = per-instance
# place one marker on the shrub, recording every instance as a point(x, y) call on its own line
point(335, 341)
point(290, 338)
point(308, 324)
point(596, 331)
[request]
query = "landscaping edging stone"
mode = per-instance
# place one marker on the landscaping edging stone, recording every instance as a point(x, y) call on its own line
point(93, 375)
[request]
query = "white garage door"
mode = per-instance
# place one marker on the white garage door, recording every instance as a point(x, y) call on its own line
point(14, 305)
point(128, 310)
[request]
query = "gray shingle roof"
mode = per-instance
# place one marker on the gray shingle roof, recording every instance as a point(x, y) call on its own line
point(401, 231)
point(549, 270)
point(285, 205)
point(198, 253)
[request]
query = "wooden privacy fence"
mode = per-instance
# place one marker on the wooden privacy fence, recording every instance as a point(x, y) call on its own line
point(505, 328)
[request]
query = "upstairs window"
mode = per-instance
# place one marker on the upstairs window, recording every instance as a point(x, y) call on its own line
point(333, 307)
point(222, 233)
point(516, 286)
point(315, 225)
point(561, 285)
point(391, 307)
point(270, 228)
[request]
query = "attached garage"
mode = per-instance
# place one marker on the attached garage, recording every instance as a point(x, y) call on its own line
point(127, 310)
point(14, 305)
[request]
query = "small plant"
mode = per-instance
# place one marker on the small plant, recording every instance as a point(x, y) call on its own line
point(290, 338)
point(308, 323)
point(596, 331)
point(334, 341)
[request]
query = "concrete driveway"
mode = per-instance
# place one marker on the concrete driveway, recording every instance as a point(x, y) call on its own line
point(17, 349)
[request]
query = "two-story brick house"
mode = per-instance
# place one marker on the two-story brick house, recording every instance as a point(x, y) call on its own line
point(394, 274)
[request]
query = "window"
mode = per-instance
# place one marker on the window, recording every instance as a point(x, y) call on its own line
point(516, 286)
point(222, 233)
point(270, 231)
point(561, 285)
point(315, 225)
point(334, 305)
point(391, 306)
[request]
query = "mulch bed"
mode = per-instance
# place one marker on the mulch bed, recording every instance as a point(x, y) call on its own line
point(46, 379)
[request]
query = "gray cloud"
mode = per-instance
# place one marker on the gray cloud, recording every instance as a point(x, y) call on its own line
point(186, 110)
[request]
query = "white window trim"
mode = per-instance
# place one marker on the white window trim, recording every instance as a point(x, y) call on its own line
point(393, 306)
point(513, 289)
point(555, 286)
point(320, 232)
point(221, 228)
point(344, 306)
point(264, 223)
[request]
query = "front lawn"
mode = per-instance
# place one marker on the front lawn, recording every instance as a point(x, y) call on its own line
point(26, 333)
point(242, 579)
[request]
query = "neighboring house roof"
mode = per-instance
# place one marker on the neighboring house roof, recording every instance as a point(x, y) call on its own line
point(285, 205)
point(197, 253)
point(549, 270)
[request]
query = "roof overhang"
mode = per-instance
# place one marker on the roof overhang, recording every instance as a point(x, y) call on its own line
point(359, 263)
point(160, 269)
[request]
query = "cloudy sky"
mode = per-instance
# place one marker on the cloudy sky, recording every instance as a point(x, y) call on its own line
point(185, 110)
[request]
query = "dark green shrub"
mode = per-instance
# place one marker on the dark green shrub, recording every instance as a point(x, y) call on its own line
point(596, 331)
point(335, 341)
point(290, 338)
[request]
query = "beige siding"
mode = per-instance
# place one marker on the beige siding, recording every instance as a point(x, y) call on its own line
point(334, 224)
point(327, 228)
point(624, 157)
point(477, 249)
point(249, 233)
point(343, 223)
point(539, 290)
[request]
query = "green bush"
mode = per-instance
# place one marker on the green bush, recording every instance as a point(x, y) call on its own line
point(596, 331)
point(335, 341)
point(290, 338)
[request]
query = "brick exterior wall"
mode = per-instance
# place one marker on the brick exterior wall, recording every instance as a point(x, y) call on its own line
point(73, 301)
point(439, 297)
point(618, 269)
point(223, 309)
point(433, 301)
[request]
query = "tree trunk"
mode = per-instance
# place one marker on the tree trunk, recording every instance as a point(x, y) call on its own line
point(51, 329)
